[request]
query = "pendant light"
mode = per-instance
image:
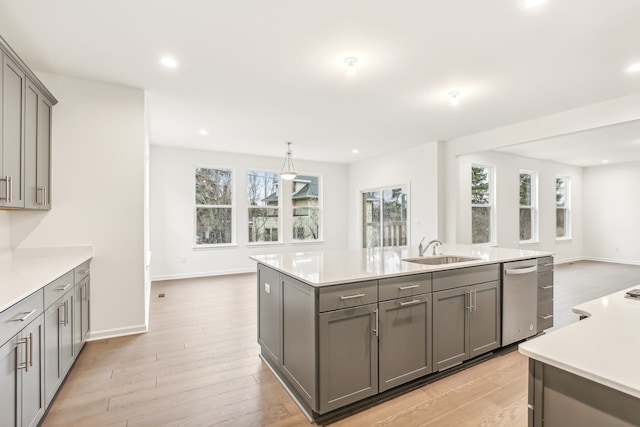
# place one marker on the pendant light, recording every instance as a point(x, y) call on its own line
point(288, 171)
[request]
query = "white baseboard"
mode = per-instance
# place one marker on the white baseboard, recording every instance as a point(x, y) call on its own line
point(202, 274)
point(118, 332)
point(568, 260)
point(615, 261)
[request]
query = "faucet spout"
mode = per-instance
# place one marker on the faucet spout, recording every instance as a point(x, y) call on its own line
point(435, 243)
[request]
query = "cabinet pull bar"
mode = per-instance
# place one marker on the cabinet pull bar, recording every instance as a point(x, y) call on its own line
point(546, 287)
point(24, 365)
point(523, 270)
point(377, 322)
point(10, 186)
point(30, 348)
point(61, 322)
point(403, 288)
point(415, 301)
point(65, 287)
point(549, 264)
point(6, 188)
point(467, 295)
point(25, 317)
point(548, 316)
point(351, 296)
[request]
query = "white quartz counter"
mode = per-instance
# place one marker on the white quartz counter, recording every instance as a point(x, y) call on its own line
point(322, 268)
point(604, 347)
point(24, 271)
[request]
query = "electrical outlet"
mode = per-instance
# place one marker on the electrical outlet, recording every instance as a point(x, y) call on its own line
point(184, 260)
point(267, 288)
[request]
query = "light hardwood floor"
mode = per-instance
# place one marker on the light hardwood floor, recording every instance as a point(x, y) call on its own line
point(198, 365)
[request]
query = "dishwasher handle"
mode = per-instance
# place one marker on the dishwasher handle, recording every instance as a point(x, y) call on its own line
point(523, 270)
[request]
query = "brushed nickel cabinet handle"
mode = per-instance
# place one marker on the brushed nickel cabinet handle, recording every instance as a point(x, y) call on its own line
point(546, 287)
point(30, 348)
point(65, 287)
point(467, 294)
point(548, 316)
point(412, 302)
point(10, 187)
point(25, 317)
point(23, 365)
point(342, 298)
point(522, 270)
point(402, 288)
point(377, 322)
point(60, 316)
point(6, 188)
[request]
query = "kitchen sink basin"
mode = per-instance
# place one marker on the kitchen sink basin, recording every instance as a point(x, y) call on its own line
point(440, 259)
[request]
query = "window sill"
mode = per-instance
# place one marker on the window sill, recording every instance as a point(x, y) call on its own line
point(529, 243)
point(258, 244)
point(306, 242)
point(205, 247)
point(563, 239)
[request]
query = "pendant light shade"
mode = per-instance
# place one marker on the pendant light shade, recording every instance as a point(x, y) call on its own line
point(288, 172)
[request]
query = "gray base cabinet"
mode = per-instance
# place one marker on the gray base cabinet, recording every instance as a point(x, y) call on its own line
point(59, 355)
point(545, 294)
point(269, 313)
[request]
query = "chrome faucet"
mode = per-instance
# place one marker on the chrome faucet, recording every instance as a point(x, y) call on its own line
point(422, 249)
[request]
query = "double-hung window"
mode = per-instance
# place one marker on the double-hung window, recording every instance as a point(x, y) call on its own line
point(528, 206)
point(214, 212)
point(563, 207)
point(384, 217)
point(264, 208)
point(482, 204)
point(306, 200)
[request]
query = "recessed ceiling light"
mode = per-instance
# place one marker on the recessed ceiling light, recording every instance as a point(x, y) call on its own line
point(355, 151)
point(605, 161)
point(351, 65)
point(455, 97)
point(532, 3)
point(168, 62)
point(634, 68)
point(203, 132)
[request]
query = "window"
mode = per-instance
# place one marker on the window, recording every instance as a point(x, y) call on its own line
point(563, 207)
point(306, 201)
point(264, 208)
point(482, 216)
point(384, 224)
point(528, 206)
point(214, 207)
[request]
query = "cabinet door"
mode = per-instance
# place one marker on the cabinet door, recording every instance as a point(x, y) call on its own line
point(10, 386)
point(66, 334)
point(43, 184)
point(53, 375)
point(11, 170)
point(484, 323)
point(348, 356)
point(37, 147)
point(404, 340)
point(269, 314)
point(77, 315)
point(450, 327)
point(33, 402)
point(86, 296)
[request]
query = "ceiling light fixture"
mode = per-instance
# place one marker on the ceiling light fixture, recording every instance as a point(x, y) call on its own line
point(532, 3)
point(351, 65)
point(455, 100)
point(288, 172)
point(634, 68)
point(169, 62)
point(605, 161)
point(355, 151)
point(203, 132)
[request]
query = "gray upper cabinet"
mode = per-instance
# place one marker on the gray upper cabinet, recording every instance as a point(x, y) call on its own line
point(37, 148)
point(11, 160)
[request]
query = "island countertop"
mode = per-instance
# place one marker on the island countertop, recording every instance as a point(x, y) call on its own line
point(604, 347)
point(322, 268)
point(25, 271)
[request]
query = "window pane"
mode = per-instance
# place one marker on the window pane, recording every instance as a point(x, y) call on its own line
point(561, 192)
point(213, 226)
point(306, 224)
point(213, 187)
point(264, 225)
point(480, 185)
point(526, 220)
point(480, 224)
point(394, 230)
point(371, 219)
point(561, 222)
point(525, 189)
point(262, 188)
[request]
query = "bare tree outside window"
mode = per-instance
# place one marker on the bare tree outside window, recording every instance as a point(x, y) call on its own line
point(384, 217)
point(528, 206)
point(306, 202)
point(213, 206)
point(264, 209)
point(481, 204)
point(563, 208)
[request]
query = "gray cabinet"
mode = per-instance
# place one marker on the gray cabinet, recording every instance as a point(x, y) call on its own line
point(11, 140)
point(21, 365)
point(37, 148)
point(466, 318)
point(58, 348)
point(269, 313)
point(404, 340)
point(81, 277)
point(545, 294)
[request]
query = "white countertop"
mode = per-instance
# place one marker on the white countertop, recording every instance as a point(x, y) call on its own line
point(322, 268)
point(24, 271)
point(604, 348)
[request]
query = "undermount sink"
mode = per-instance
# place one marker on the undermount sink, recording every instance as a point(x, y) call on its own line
point(440, 259)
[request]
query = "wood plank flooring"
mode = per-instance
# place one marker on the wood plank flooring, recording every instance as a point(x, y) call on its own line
point(198, 366)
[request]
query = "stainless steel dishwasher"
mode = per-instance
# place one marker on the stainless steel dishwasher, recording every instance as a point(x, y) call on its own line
point(519, 300)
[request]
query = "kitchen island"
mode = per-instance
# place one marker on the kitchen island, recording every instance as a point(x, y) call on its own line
point(344, 328)
point(587, 373)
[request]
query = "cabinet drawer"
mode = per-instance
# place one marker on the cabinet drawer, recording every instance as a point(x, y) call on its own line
point(545, 264)
point(545, 286)
point(449, 279)
point(81, 271)
point(57, 288)
point(349, 295)
point(400, 287)
point(19, 315)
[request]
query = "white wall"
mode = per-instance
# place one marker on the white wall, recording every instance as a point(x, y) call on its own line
point(97, 194)
point(418, 167)
point(172, 212)
point(612, 208)
point(507, 171)
point(5, 242)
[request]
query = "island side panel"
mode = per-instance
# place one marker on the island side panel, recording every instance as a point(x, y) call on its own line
point(269, 314)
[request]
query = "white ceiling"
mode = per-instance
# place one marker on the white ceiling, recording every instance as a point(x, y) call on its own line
point(258, 73)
